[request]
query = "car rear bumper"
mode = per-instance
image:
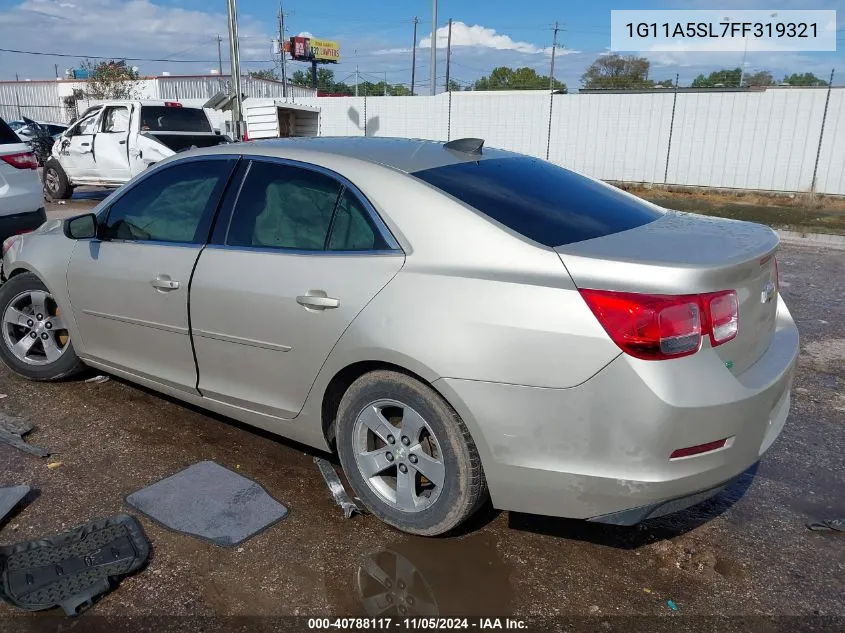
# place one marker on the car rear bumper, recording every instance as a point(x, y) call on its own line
point(602, 448)
point(21, 222)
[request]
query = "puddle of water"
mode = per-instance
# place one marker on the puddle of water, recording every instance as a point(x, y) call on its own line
point(419, 577)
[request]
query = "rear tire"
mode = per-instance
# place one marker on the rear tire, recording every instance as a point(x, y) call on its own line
point(408, 455)
point(49, 354)
point(56, 182)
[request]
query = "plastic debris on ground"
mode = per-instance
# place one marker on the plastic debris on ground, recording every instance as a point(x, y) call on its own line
point(72, 569)
point(671, 605)
point(97, 379)
point(12, 431)
point(831, 525)
point(342, 499)
point(54, 465)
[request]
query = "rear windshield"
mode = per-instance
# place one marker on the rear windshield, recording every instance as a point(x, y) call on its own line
point(543, 202)
point(170, 119)
point(6, 134)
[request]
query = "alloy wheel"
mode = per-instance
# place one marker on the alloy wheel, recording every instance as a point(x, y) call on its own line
point(33, 329)
point(398, 455)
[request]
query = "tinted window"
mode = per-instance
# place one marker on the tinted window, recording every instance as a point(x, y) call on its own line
point(353, 229)
point(543, 202)
point(281, 206)
point(175, 204)
point(170, 119)
point(6, 134)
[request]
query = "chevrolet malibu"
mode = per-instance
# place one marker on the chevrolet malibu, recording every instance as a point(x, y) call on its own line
point(457, 322)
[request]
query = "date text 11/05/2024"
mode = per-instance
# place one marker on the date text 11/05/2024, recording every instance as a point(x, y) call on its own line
point(411, 624)
point(723, 29)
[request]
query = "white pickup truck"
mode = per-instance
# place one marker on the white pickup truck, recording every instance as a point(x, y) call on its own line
point(115, 140)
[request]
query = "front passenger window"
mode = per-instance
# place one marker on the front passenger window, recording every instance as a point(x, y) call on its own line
point(175, 204)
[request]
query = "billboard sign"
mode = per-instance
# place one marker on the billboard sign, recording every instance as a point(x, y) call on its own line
point(309, 49)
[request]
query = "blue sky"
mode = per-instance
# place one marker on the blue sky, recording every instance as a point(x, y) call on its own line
point(376, 36)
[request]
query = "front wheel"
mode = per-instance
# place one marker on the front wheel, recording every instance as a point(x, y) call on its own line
point(35, 341)
point(407, 454)
point(56, 183)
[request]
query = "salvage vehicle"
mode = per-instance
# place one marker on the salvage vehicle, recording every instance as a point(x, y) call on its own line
point(21, 200)
point(116, 140)
point(455, 321)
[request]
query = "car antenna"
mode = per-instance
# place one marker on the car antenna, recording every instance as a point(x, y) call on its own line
point(465, 145)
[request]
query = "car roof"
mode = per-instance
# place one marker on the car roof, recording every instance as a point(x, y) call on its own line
point(407, 155)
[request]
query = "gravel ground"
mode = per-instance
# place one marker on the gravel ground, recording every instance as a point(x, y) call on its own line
point(747, 552)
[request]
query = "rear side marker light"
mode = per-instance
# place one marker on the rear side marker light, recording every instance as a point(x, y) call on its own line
point(689, 451)
point(23, 160)
point(658, 327)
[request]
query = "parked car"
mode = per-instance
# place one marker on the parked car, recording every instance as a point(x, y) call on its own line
point(455, 321)
point(25, 130)
point(113, 142)
point(21, 199)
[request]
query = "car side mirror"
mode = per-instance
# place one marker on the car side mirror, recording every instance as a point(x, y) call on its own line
point(82, 227)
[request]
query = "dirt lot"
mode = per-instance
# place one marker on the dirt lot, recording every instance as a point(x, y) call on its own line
point(745, 553)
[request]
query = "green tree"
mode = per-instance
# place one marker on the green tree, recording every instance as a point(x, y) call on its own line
point(264, 73)
point(617, 71)
point(301, 78)
point(504, 78)
point(724, 78)
point(110, 80)
point(761, 78)
point(453, 86)
point(803, 79)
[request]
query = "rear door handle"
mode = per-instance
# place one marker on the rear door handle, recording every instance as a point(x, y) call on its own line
point(85, 144)
point(163, 282)
point(317, 302)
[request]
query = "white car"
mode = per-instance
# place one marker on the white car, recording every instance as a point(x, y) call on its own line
point(113, 142)
point(21, 197)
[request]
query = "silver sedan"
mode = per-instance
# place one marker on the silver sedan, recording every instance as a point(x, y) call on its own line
point(456, 322)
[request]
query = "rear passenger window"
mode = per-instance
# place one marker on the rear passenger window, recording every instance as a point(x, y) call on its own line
point(281, 206)
point(353, 229)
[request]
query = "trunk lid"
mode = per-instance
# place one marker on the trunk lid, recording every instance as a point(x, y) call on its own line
point(684, 253)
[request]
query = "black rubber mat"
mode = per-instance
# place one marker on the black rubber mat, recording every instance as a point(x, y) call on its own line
point(71, 569)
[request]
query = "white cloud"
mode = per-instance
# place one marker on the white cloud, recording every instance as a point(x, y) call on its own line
point(120, 28)
point(480, 37)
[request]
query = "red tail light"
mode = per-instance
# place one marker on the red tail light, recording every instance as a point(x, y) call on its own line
point(657, 327)
point(23, 160)
point(689, 451)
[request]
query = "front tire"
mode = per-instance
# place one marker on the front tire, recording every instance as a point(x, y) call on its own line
point(56, 183)
point(34, 341)
point(407, 454)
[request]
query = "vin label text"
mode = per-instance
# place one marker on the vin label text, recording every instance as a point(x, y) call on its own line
point(723, 30)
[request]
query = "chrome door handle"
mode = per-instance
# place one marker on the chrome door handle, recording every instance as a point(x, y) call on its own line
point(163, 282)
point(318, 302)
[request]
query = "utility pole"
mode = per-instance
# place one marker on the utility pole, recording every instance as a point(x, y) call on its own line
point(414, 56)
point(56, 66)
point(385, 83)
point(235, 60)
point(356, 80)
point(219, 55)
point(552, 70)
point(17, 96)
point(433, 47)
point(282, 51)
point(448, 54)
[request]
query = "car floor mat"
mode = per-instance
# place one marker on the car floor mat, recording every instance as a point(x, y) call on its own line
point(11, 497)
point(71, 569)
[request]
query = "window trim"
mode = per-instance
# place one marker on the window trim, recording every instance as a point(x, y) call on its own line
point(220, 237)
point(104, 214)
